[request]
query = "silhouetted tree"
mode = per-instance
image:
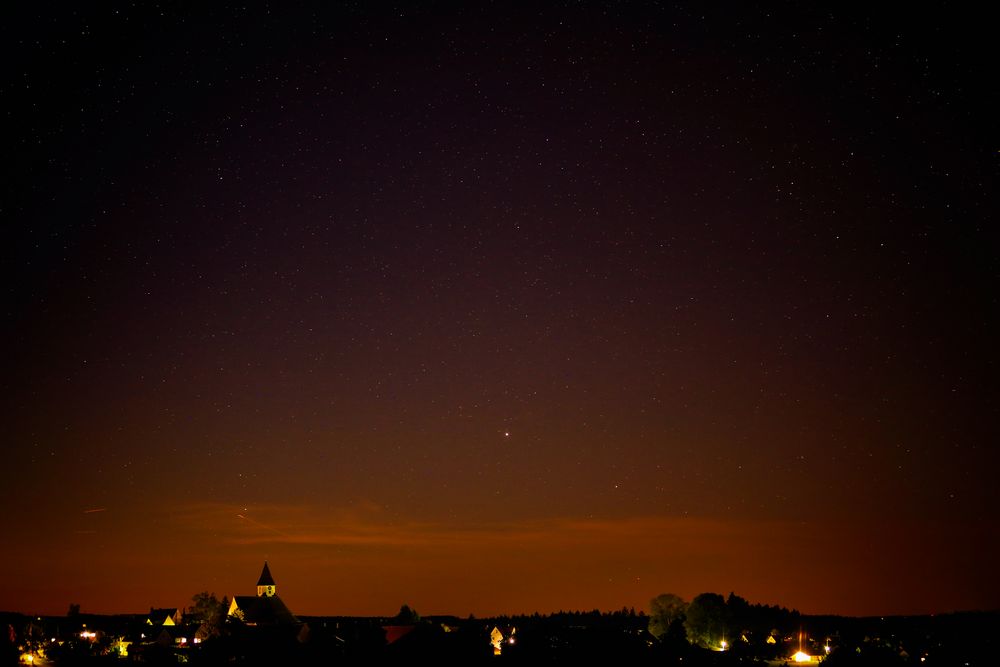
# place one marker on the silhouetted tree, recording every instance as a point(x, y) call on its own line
point(74, 610)
point(665, 610)
point(206, 607)
point(406, 616)
point(706, 620)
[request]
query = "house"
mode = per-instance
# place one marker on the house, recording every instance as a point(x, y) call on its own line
point(500, 637)
point(170, 635)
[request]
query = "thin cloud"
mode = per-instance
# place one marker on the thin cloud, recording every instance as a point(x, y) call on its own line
point(369, 527)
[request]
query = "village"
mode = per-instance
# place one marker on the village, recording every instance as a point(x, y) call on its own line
point(261, 629)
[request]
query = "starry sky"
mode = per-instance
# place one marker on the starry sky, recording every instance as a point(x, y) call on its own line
point(498, 308)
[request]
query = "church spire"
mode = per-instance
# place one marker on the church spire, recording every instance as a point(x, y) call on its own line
point(265, 585)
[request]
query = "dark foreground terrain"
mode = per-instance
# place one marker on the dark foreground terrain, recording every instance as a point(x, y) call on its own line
point(961, 639)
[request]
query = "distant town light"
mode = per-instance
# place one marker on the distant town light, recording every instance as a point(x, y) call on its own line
point(802, 656)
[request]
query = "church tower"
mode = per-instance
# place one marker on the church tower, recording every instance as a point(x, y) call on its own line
point(265, 585)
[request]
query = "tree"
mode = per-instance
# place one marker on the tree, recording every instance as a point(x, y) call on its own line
point(206, 607)
point(209, 612)
point(706, 620)
point(74, 610)
point(739, 615)
point(406, 616)
point(666, 611)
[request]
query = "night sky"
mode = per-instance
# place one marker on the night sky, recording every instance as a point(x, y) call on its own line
point(490, 308)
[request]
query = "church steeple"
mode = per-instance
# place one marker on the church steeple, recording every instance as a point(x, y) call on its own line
point(265, 585)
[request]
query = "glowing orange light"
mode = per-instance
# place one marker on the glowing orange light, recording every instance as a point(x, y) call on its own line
point(802, 657)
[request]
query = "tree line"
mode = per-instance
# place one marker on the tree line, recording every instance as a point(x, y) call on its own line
point(712, 621)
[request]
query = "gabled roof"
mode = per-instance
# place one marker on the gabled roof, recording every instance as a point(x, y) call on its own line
point(162, 616)
point(265, 577)
point(171, 633)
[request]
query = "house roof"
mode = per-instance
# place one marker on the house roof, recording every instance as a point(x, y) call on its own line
point(395, 632)
point(265, 577)
point(159, 616)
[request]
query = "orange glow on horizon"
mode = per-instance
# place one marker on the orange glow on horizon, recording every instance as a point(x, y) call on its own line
point(360, 561)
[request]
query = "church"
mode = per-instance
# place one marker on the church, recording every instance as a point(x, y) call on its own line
point(263, 609)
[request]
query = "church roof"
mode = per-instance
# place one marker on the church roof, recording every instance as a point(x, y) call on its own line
point(263, 610)
point(265, 577)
